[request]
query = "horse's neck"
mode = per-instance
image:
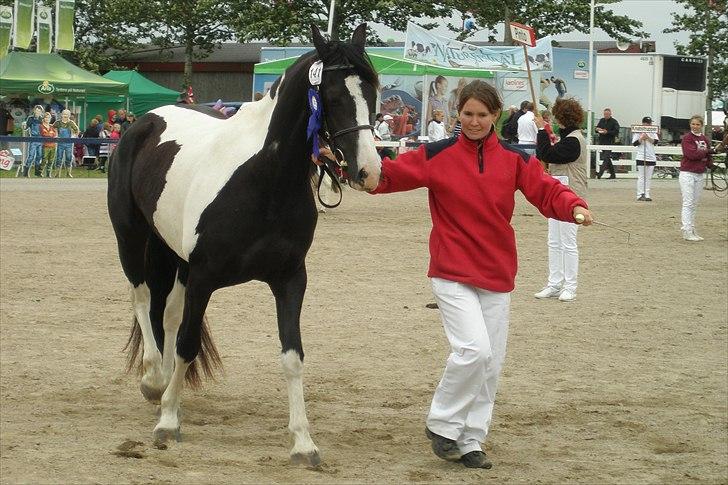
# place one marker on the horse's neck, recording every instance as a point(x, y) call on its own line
point(285, 146)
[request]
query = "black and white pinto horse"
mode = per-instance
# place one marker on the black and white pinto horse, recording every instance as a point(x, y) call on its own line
point(199, 202)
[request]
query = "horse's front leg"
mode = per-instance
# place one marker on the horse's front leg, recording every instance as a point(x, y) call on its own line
point(289, 299)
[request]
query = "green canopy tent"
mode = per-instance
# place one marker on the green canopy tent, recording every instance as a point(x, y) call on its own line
point(144, 95)
point(50, 76)
point(404, 81)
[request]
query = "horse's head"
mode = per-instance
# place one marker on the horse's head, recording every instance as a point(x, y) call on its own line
point(349, 94)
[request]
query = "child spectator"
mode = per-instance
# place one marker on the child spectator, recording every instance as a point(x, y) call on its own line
point(47, 130)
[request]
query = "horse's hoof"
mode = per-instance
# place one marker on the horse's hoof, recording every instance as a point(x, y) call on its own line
point(162, 435)
point(312, 459)
point(151, 394)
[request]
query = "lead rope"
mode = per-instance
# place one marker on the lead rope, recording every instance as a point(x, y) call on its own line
point(325, 169)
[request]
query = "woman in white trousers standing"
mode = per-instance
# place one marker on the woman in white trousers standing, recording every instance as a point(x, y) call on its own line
point(567, 162)
point(695, 161)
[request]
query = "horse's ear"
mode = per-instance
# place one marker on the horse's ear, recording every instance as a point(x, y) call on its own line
point(318, 40)
point(359, 37)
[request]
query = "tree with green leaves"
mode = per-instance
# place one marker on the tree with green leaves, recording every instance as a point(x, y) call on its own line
point(281, 21)
point(548, 18)
point(707, 22)
point(200, 26)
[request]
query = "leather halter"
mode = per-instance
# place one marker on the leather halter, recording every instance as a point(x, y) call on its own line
point(330, 138)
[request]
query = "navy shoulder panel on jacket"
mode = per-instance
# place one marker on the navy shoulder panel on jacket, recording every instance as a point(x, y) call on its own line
point(507, 146)
point(432, 149)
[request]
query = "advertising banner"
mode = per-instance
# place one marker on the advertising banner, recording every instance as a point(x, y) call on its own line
point(65, 11)
point(44, 29)
point(423, 46)
point(24, 18)
point(6, 28)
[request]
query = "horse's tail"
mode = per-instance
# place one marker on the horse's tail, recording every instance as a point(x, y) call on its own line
point(133, 344)
point(208, 356)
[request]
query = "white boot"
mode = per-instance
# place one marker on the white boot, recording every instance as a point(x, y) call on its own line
point(70, 169)
point(690, 236)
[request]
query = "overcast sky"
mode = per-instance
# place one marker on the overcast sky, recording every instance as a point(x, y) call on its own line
point(655, 16)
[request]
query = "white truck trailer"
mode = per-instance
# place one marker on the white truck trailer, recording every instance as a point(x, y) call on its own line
point(670, 89)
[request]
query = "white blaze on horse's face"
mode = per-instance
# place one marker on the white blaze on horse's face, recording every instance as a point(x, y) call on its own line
point(368, 163)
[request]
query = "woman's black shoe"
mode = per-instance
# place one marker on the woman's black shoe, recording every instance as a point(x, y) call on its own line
point(476, 459)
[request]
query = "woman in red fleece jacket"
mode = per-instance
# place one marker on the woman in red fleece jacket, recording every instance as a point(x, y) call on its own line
point(696, 159)
point(471, 180)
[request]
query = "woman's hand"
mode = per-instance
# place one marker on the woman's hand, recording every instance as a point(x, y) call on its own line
point(582, 216)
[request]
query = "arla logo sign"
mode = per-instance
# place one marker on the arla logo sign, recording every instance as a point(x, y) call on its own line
point(6, 14)
point(46, 88)
point(515, 84)
point(43, 14)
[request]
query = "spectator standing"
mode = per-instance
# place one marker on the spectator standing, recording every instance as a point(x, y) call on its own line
point(377, 121)
point(546, 117)
point(67, 128)
point(384, 128)
point(510, 127)
point(473, 259)
point(93, 131)
point(119, 118)
point(608, 129)
point(47, 130)
point(130, 118)
point(695, 161)
point(527, 130)
point(567, 160)
point(436, 128)
point(35, 149)
point(646, 160)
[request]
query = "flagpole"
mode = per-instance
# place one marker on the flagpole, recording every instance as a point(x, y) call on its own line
point(590, 84)
point(331, 18)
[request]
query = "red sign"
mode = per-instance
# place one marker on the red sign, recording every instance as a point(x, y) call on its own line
point(523, 34)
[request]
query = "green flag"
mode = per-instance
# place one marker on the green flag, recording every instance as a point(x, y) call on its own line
point(45, 32)
point(65, 11)
point(24, 16)
point(6, 28)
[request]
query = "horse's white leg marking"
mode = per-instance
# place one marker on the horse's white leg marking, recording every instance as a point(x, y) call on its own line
point(172, 320)
point(152, 379)
point(303, 447)
point(169, 422)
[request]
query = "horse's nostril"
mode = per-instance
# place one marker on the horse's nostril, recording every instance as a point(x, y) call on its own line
point(363, 174)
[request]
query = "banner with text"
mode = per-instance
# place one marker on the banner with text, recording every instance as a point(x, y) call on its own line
point(65, 11)
point(423, 46)
point(6, 28)
point(44, 29)
point(24, 18)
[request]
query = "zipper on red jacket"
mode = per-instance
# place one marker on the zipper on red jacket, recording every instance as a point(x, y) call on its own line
point(480, 156)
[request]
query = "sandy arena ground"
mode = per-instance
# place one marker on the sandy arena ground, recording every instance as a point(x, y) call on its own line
point(628, 384)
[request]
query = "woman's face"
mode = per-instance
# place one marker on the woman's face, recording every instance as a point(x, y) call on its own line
point(47, 118)
point(696, 126)
point(476, 119)
point(442, 86)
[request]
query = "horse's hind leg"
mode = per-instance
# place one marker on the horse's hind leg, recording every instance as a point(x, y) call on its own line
point(189, 341)
point(159, 274)
point(172, 319)
point(289, 299)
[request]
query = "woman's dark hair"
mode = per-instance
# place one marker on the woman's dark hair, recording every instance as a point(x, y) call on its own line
point(483, 92)
point(568, 112)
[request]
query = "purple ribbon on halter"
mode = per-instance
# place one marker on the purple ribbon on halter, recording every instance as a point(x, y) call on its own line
point(314, 119)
